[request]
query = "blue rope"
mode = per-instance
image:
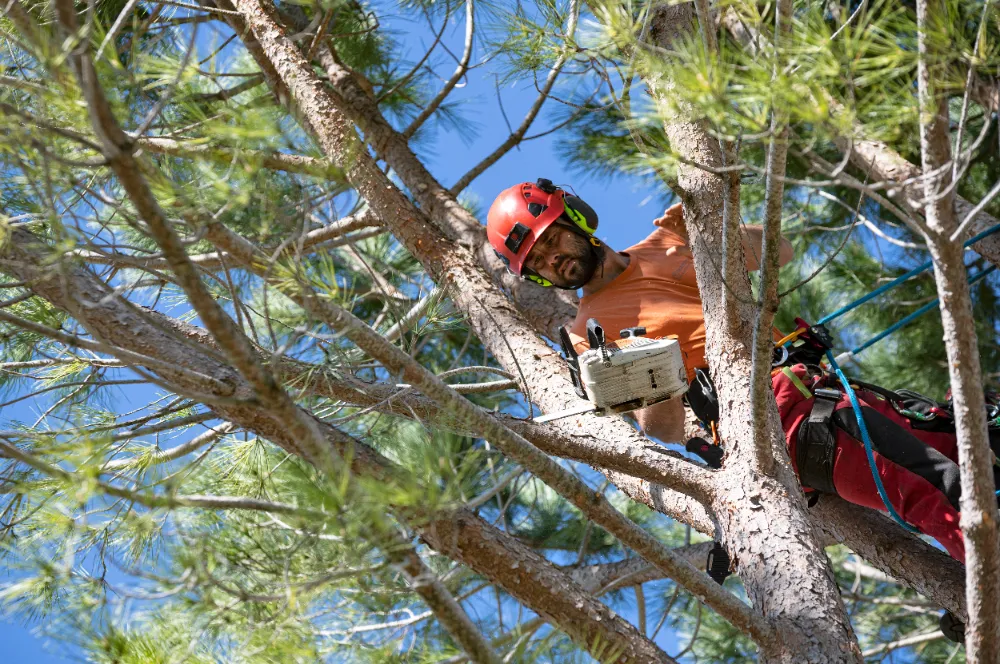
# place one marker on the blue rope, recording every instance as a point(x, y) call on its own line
point(866, 439)
point(916, 314)
point(865, 436)
point(875, 293)
point(898, 280)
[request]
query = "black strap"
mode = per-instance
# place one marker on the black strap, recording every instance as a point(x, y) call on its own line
point(817, 444)
point(717, 565)
point(574, 363)
point(894, 443)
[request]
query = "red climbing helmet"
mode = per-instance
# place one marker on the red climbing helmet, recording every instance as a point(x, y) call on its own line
point(520, 214)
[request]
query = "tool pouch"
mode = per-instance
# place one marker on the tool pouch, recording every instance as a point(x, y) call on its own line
point(702, 399)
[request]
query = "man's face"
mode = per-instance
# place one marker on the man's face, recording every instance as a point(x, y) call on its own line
point(563, 256)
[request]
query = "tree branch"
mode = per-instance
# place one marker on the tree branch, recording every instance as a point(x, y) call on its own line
point(545, 311)
point(447, 610)
point(761, 396)
point(489, 313)
point(457, 75)
point(460, 535)
point(594, 505)
point(975, 460)
point(518, 134)
point(277, 161)
point(165, 456)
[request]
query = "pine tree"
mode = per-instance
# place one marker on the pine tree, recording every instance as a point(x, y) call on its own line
point(240, 297)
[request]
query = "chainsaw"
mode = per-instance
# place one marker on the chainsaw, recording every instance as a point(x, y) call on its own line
point(624, 375)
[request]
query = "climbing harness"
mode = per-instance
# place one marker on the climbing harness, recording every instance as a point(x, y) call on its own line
point(816, 442)
point(819, 455)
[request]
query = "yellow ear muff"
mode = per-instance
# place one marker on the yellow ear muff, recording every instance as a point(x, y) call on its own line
point(541, 281)
point(578, 218)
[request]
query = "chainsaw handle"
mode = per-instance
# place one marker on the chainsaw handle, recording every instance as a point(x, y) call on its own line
point(595, 333)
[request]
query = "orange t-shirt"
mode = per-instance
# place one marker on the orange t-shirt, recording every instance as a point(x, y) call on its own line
point(655, 291)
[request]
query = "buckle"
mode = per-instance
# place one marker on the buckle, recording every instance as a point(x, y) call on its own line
point(827, 393)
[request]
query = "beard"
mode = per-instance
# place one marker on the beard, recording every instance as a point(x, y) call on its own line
point(579, 264)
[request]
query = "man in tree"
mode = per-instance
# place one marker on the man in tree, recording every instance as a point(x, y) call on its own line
point(546, 236)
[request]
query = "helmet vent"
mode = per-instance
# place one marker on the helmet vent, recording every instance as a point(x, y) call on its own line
point(536, 209)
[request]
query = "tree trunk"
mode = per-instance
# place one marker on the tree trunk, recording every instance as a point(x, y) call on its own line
point(762, 518)
point(544, 374)
point(975, 459)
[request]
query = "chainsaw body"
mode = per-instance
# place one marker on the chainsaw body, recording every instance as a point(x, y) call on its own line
point(628, 374)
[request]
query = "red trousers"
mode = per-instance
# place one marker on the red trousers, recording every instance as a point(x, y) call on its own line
point(918, 468)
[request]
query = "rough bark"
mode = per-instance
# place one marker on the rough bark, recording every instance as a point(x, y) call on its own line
point(558, 389)
point(545, 376)
point(446, 609)
point(545, 311)
point(632, 571)
point(593, 505)
point(467, 537)
point(461, 535)
point(911, 561)
point(762, 518)
point(975, 460)
point(907, 559)
point(885, 164)
point(540, 371)
point(767, 299)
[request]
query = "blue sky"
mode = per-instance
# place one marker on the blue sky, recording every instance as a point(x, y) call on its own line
point(626, 209)
point(626, 206)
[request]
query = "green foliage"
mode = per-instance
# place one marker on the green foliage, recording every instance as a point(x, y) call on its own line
point(98, 549)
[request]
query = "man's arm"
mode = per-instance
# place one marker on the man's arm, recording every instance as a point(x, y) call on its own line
point(753, 241)
point(753, 238)
point(663, 421)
